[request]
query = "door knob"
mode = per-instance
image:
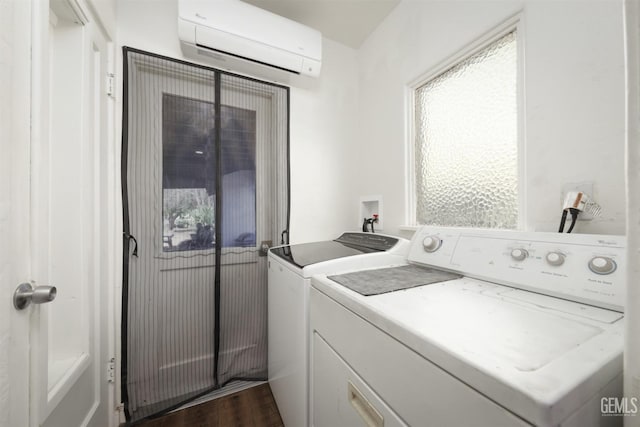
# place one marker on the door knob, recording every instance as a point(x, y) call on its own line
point(26, 294)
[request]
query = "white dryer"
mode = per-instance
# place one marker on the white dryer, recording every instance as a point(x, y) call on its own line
point(524, 329)
point(290, 271)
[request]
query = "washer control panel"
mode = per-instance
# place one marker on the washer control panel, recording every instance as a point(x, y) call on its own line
point(579, 267)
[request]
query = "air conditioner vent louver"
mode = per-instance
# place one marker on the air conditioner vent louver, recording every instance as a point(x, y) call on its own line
point(211, 54)
point(219, 55)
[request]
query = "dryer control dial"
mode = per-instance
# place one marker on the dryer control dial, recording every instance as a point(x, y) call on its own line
point(555, 258)
point(519, 254)
point(431, 243)
point(602, 265)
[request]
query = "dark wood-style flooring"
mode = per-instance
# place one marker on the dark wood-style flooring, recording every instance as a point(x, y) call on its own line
point(253, 407)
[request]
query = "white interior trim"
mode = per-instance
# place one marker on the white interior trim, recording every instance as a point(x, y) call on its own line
point(632, 308)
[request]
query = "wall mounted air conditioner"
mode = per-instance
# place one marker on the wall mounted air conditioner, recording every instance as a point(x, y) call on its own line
point(240, 37)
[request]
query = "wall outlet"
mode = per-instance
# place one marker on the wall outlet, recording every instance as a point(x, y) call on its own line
point(585, 187)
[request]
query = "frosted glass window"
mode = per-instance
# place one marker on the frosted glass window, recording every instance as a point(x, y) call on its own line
point(466, 154)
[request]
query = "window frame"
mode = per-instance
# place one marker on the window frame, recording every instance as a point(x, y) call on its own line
point(260, 104)
point(514, 23)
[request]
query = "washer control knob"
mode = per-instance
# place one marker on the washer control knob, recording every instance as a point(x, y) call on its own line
point(519, 254)
point(431, 243)
point(555, 258)
point(602, 265)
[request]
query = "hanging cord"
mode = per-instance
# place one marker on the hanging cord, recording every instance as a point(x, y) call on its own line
point(369, 221)
point(562, 221)
point(574, 218)
point(573, 204)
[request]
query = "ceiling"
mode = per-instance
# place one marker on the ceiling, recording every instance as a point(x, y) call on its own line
point(346, 21)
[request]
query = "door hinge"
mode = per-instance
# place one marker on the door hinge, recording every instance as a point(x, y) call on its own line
point(111, 85)
point(111, 370)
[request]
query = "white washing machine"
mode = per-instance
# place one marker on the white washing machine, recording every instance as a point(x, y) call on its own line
point(290, 270)
point(525, 329)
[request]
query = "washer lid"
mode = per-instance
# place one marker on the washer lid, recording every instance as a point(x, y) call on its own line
point(348, 244)
point(306, 254)
point(480, 322)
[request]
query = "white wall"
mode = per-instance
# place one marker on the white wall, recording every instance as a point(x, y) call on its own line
point(574, 106)
point(323, 128)
point(322, 120)
point(574, 99)
point(105, 11)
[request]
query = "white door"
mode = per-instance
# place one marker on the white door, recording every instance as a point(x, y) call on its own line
point(60, 222)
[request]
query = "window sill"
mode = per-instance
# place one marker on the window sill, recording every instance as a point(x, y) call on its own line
point(410, 227)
